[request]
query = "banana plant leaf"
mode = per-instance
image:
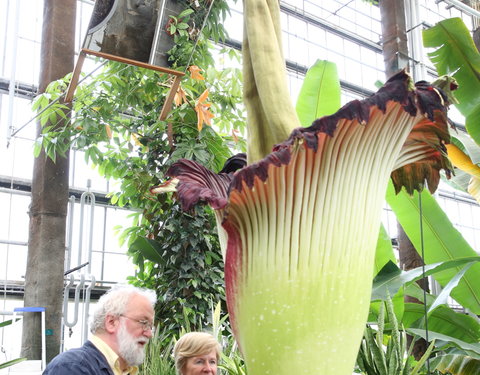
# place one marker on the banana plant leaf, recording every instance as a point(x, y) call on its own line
point(441, 240)
point(391, 278)
point(442, 298)
point(414, 290)
point(456, 365)
point(384, 252)
point(445, 341)
point(320, 92)
point(443, 320)
point(455, 54)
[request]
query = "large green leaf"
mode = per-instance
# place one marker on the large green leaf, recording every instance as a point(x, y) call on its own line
point(455, 54)
point(441, 241)
point(320, 92)
point(456, 365)
point(150, 249)
point(442, 298)
point(384, 252)
point(472, 349)
point(414, 290)
point(472, 124)
point(391, 278)
point(443, 320)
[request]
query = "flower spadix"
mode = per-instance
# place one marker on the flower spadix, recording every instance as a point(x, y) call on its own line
point(302, 226)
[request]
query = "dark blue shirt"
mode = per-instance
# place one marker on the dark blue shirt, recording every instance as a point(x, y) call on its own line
point(86, 360)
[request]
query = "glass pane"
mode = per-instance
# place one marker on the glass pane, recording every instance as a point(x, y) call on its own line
point(118, 267)
point(13, 262)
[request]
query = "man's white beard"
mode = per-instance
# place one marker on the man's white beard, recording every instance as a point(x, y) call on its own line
point(128, 347)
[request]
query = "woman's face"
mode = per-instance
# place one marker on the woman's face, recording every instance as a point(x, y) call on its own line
point(202, 364)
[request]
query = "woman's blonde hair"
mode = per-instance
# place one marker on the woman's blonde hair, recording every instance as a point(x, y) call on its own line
point(194, 344)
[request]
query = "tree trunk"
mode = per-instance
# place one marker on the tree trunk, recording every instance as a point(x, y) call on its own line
point(394, 36)
point(409, 259)
point(48, 209)
point(395, 56)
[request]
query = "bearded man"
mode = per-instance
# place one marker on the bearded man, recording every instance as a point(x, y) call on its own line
point(121, 326)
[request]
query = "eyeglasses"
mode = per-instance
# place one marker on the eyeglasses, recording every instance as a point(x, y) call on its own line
point(146, 325)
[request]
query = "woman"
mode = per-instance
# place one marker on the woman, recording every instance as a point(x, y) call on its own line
point(197, 353)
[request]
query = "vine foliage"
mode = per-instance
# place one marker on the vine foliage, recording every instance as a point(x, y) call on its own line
point(115, 123)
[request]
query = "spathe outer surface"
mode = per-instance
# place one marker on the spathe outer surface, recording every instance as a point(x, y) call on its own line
point(302, 224)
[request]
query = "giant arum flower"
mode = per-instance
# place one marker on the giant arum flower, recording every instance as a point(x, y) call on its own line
point(302, 224)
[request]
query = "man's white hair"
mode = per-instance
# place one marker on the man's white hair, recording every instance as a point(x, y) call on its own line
point(115, 302)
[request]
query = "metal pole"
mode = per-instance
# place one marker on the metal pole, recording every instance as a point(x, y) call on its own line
point(11, 86)
point(463, 7)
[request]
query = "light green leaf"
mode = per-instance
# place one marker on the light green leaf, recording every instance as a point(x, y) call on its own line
point(442, 242)
point(184, 13)
point(442, 298)
point(443, 320)
point(37, 147)
point(472, 349)
point(391, 278)
point(320, 92)
point(384, 252)
point(414, 290)
point(472, 124)
point(455, 54)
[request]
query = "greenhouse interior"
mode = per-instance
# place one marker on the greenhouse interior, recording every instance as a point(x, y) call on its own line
point(293, 183)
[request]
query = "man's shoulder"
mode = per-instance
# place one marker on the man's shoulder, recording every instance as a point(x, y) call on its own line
point(81, 353)
point(78, 361)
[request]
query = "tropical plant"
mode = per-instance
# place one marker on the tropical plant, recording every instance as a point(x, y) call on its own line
point(455, 334)
point(439, 240)
point(117, 126)
point(384, 352)
point(454, 53)
point(283, 214)
point(232, 362)
point(457, 365)
point(158, 355)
